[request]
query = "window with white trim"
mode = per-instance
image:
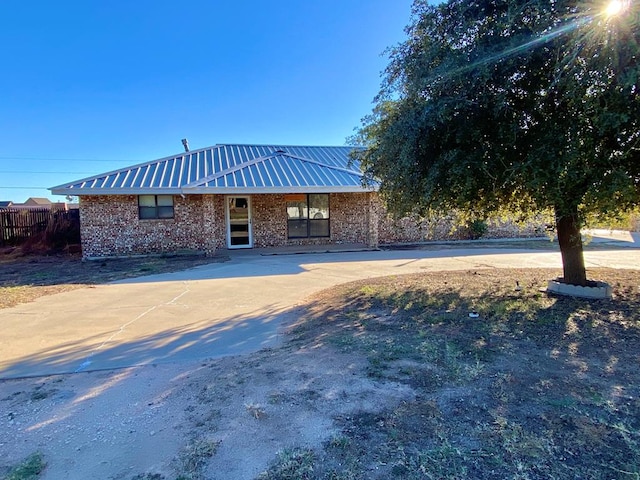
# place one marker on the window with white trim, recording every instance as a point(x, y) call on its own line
point(155, 206)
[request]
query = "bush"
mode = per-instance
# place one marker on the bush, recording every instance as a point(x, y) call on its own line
point(61, 231)
point(475, 229)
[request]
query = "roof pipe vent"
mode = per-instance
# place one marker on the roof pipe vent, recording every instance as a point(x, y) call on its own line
point(279, 150)
point(185, 144)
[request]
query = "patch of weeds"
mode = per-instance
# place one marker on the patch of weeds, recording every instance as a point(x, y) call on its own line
point(536, 387)
point(445, 354)
point(12, 396)
point(291, 464)
point(40, 393)
point(194, 457)
point(29, 469)
point(342, 475)
point(562, 402)
point(310, 395)
point(376, 368)
point(213, 393)
point(346, 342)
point(209, 419)
point(276, 398)
point(339, 442)
point(472, 370)
point(255, 410)
point(502, 387)
point(368, 290)
point(425, 379)
point(519, 442)
point(443, 462)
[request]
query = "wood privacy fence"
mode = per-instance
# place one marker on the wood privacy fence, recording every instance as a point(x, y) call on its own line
point(17, 225)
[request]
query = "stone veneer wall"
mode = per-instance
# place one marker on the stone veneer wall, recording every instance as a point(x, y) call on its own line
point(349, 220)
point(269, 219)
point(110, 226)
point(350, 217)
point(411, 230)
point(214, 231)
point(414, 229)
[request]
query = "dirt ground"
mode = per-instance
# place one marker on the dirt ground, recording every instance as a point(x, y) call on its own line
point(385, 378)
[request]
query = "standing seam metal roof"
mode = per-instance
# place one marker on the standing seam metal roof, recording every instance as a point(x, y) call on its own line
point(231, 169)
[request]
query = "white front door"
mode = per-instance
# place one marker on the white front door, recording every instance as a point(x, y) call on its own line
point(239, 233)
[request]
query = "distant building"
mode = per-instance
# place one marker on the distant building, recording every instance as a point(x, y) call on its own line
point(38, 203)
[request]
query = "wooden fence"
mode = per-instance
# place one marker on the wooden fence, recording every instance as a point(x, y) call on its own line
point(17, 225)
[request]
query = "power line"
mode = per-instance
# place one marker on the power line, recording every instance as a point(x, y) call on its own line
point(68, 159)
point(53, 173)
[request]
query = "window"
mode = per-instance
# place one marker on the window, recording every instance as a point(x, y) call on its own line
point(308, 215)
point(155, 206)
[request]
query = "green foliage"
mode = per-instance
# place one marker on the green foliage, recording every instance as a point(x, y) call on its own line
point(617, 220)
point(523, 105)
point(29, 469)
point(475, 229)
point(517, 103)
point(294, 464)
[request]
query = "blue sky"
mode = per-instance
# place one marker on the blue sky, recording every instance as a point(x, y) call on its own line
point(91, 86)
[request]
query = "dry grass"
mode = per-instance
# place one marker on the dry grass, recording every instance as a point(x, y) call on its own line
point(536, 387)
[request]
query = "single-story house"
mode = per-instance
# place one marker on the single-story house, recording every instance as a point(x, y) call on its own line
point(244, 196)
point(226, 196)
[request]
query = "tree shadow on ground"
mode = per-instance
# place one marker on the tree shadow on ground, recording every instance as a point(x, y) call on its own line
point(190, 342)
point(537, 384)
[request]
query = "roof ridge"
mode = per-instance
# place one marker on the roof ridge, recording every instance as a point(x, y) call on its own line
point(261, 159)
point(281, 145)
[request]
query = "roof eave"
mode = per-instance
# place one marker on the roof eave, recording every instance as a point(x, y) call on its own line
point(111, 191)
point(211, 190)
point(274, 190)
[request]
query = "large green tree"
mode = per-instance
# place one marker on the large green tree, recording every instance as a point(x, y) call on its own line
point(522, 105)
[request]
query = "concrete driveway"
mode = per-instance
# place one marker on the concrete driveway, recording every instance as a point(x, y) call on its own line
point(217, 309)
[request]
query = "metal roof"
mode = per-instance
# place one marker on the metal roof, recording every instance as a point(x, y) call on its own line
point(231, 169)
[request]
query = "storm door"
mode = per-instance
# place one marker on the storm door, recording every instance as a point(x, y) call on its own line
point(239, 222)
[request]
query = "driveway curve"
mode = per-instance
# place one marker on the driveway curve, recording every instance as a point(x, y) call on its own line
point(216, 309)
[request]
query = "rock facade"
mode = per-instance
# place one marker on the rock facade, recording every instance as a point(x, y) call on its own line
point(110, 225)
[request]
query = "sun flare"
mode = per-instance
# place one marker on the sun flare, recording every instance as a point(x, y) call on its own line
point(615, 7)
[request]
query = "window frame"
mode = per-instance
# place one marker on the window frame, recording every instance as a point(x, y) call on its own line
point(157, 211)
point(308, 221)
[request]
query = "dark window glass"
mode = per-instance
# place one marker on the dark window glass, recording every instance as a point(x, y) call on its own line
point(298, 228)
point(318, 228)
point(155, 206)
point(308, 218)
point(147, 213)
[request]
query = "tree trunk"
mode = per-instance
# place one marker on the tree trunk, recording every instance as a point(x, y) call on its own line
point(570, 241)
